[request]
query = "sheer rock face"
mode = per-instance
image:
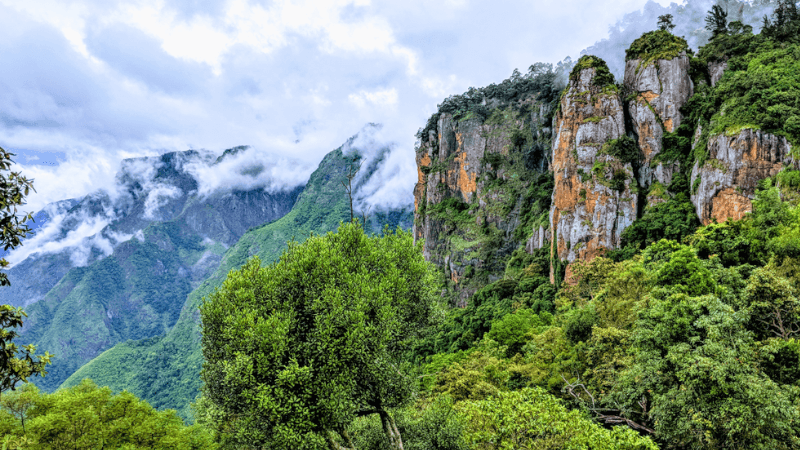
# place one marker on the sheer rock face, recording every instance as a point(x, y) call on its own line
point(588, 216)
point(452, 160)
point(716, 69)
point(661, 88)
point(451, 164)
point(538, 239)
point(725, 185)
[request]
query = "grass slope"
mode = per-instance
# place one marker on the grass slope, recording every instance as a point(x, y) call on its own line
point(166, 370)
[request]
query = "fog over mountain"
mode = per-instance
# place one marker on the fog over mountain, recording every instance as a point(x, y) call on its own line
point(91, 83)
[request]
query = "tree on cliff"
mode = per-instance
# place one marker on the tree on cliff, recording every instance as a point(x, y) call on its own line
point(15, 365)
point(297, 350)
point(665, 22)
point(717, 21)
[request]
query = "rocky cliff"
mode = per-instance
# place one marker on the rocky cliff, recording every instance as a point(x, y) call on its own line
point(476, 198)
point(724, 185)
point(629, 162)
point(595, 196)
point(657, 91)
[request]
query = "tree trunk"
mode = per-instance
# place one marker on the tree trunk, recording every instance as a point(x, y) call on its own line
point(392, 433)
point(333, 445)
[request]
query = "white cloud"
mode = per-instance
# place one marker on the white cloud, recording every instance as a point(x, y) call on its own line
point(99, 80)
point(249, 169)
point(79, 241)
point(386, 97)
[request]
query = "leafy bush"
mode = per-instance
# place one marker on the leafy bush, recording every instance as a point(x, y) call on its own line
point(602, 76)
point(624, 149)
point(673, 219)
point(578, 324)
point(655, 45)
point(531, 418)
point(88, 416)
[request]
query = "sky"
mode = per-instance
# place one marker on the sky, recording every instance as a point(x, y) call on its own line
point(86, 83)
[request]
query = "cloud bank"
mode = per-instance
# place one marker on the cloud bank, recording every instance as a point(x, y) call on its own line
point(99, 81)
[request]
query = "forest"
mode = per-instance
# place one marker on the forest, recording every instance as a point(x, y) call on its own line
point(687, 336)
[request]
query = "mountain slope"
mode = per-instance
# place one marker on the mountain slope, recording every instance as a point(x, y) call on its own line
point(137, 291)
point(165, 370)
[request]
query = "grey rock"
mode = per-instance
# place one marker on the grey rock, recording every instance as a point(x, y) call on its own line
point(716, 69)
point(730, 176)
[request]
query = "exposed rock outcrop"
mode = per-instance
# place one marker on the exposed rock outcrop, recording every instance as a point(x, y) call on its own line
point(725, 184)
point(716, 69)
point(593, 199)
point(660, 88)
point(469, 190)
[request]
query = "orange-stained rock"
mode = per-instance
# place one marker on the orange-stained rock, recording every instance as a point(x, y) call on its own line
point(587, 216)
point(729, 177)
point(662, 87)
point(451, 165)
point(729, 204)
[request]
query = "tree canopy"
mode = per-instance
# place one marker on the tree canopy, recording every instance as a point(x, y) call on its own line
point(15, 364)
point(296, 350)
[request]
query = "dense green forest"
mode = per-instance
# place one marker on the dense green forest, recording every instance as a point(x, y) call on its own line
point(686, 337)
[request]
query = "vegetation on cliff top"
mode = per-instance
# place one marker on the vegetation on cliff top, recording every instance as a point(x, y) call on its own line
point(542, 80)
point(655, 45)
point(602, 76)
point(760, 86)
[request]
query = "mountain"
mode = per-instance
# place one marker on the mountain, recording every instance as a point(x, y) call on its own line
point(667, 148)
point(152, 241)
point(75, 233)
point(165, 370)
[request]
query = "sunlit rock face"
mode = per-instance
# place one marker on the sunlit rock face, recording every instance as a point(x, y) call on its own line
point(593, 200)
point(453, 167)
point(724, 186)
point(658, 91)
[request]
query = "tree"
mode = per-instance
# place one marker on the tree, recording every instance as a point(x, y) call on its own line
point(717, 21)
point(13, 189)
point(695, 379)
point(17, 365)
point(296, 350)
point(13, 367)
point(665, 22)
point(87, 416)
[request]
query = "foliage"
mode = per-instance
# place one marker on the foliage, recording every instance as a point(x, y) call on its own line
point(665, 22)
point(673, 219)
point(296, 350)
point(717, 21)
point(655, 45)
point(602, 76)
point(624, 149)
point(695, 378)
point(16, 365)
point(432, 425)
point(541, 81)
point(785, 23)
point(14, 187)
point(530, 418)
point(87, 416)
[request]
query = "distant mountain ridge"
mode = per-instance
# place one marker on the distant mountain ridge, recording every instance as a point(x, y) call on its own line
point(115, 266)
point(165, 370)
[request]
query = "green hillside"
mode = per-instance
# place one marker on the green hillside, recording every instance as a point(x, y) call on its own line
point(165, 370)
point(133, 294)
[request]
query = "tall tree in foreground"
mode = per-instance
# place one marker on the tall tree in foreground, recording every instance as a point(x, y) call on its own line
point(15, 365)
point(296, 350)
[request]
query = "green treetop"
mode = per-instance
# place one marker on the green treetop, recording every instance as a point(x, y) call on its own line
point(15, 365)
point(297, 350)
